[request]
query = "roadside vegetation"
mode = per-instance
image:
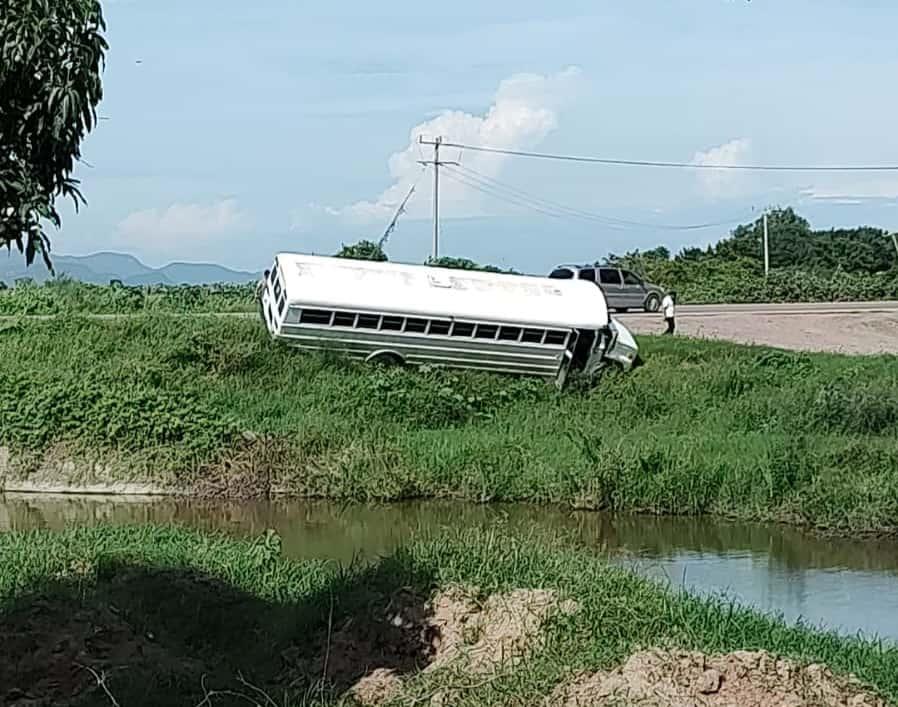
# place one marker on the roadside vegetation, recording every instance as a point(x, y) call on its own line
point(69, 297)
point(859, 264)
point(165, 616)
point(212, 406)
point(806, 266)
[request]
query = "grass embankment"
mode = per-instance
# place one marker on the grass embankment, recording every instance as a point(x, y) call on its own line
point(213, 406)
point(165, 613)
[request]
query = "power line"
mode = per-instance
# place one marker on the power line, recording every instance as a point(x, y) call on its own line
point(518, 197)
point(679, 165)
point(462, 179)
point(591, 214)
point(527, 201)
point(488, 181)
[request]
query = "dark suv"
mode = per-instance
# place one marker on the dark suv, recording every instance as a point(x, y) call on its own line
point(623, 289)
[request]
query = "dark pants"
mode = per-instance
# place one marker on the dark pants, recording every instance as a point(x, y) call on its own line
point(670, 325)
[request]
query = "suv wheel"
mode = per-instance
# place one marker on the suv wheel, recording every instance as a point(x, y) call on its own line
point(652, 303)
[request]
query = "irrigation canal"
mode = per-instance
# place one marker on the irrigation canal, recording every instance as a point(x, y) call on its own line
point(847, 585)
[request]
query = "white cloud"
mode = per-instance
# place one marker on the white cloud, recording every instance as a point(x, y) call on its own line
point(719, 183)
point(856, 192)
point(183, 222)
point(524, 111)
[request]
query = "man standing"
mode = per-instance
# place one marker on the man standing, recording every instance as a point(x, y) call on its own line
point(667, 306)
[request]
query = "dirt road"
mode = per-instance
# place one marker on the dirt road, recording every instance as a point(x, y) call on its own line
point(864, 328)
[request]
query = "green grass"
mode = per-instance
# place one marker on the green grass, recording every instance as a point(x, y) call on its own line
point(71, 297)
point(212, 404)
point(203, 605)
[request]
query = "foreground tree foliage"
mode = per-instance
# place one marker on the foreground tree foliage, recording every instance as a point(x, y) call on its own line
point(52, 54)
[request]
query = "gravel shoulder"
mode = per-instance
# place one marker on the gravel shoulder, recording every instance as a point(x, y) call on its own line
point(873, 332)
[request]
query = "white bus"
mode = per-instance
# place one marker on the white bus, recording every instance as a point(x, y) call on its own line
point(417, 314)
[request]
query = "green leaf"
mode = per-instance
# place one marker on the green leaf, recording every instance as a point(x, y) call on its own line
point(52, 55)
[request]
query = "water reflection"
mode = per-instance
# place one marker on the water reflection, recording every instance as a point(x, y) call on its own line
point(844, 584)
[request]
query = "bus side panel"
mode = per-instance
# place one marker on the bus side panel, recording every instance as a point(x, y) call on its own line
point(459, 353)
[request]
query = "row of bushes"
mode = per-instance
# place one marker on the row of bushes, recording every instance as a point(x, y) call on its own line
point(720, 281)
point(806, 265)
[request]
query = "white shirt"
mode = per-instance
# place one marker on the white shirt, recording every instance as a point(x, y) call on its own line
point(667, 305)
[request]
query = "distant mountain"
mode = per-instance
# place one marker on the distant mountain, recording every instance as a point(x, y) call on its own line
point(100, 268)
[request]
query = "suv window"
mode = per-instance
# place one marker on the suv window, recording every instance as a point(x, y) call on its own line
point(561, 274)
point(631, 278)
point(608, 276)
point(587, 274)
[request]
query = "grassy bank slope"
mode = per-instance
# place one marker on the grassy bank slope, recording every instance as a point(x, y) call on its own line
point(213, 406)
point(165, 613)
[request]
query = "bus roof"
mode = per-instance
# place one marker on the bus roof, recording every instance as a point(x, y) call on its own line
point(421, 290)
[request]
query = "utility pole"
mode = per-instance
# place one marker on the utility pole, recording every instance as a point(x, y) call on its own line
point(895, 242)
point(436, 189)
point(766, 248)
point(436, 197)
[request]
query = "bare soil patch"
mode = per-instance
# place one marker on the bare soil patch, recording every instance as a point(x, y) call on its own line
point(861, 333)
point(462, 638)
point(498, 633)
point(366, 652)
point(690, 679)
point(454, 630)
point(46, 651)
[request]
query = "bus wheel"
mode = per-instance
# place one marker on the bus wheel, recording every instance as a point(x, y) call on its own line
point(385, 358)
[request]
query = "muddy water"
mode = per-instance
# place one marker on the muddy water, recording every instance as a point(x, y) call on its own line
point(851, 586)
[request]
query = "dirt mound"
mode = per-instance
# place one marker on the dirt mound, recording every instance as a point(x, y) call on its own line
point(743, 679)
point(455, 629)
point(363, 652)
point(377, 688)
point(45, 651)
point(500, 632)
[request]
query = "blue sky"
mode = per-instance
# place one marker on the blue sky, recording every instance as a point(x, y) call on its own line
point(248, 128)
